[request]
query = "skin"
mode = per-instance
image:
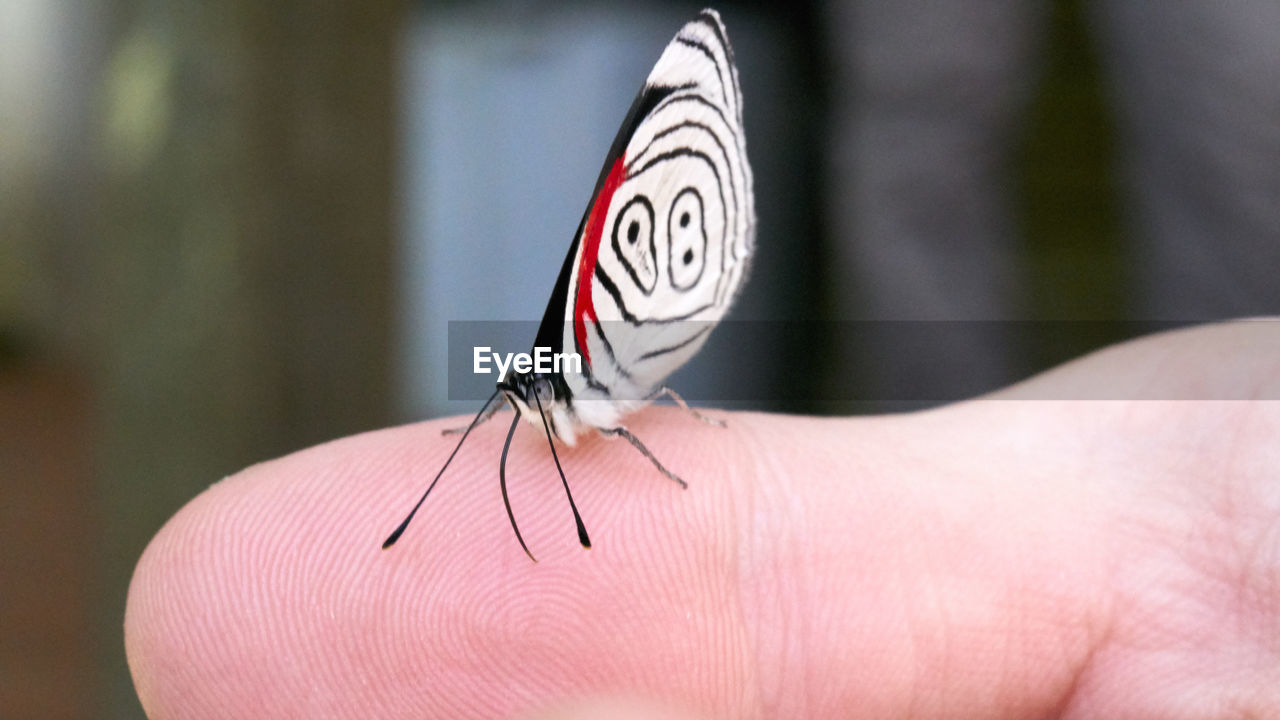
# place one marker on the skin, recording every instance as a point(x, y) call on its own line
point(1024, 555)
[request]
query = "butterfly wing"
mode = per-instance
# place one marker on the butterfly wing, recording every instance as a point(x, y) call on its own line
point(667, 240)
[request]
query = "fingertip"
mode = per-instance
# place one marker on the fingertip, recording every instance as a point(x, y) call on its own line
point(236, 598)
point(160, 621)
point(267, 589)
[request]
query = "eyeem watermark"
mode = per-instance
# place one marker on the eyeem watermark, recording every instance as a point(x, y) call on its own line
point(541, 361)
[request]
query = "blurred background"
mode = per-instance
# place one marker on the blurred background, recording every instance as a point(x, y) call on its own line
point(231, 230)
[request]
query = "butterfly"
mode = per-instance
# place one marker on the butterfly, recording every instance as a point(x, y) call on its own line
point(658, 258)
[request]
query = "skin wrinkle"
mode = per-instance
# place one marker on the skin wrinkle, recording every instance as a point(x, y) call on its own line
point(1081, 676)
point(942, 599)
point(758, 579)
point(1028, 605)
point(799, 627)
point(1223, 537)
point(796, 551)
point(1099, 630)
point(1043, 589)
point(1265, 599)
point(931, 612)
point(918, 620)
point(740, 529)
point(822, 565)
point(1095, 633)
point(919, 689)
point(914, 577)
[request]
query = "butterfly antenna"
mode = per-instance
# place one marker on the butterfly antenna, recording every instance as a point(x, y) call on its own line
point(391, 539)
point(502, 482)
point(582, 529)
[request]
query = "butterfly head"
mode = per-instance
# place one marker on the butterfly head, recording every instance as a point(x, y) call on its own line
point(541, 396)
point(528, 390)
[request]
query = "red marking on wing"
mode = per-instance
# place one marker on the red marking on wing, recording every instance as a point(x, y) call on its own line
point(584, 308)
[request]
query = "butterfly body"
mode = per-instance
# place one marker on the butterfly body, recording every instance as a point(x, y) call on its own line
point(659, 255)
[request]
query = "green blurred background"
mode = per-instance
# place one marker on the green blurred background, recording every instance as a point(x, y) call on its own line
point(198, 243)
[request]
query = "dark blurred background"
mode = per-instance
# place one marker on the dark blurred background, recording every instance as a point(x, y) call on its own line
point(231, 230)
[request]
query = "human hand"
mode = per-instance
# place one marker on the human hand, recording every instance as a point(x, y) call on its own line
point(1007, 557)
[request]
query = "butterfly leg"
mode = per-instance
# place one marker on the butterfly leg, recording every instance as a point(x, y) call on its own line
point(664, 390)
point(625, 433)
point(490, 409)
